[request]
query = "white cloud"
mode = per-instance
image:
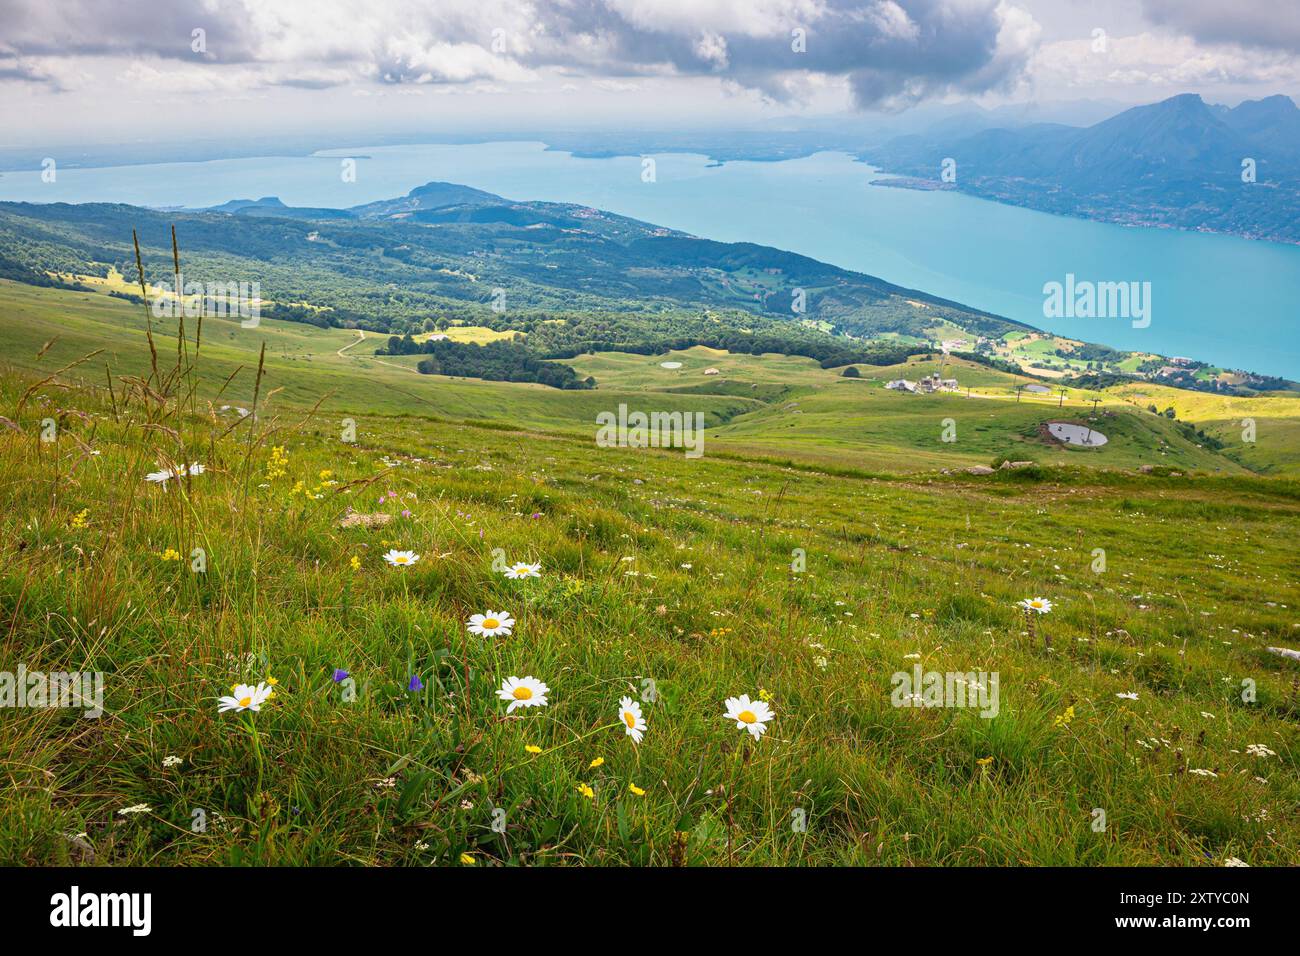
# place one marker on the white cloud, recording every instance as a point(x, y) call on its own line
point(1161, 61)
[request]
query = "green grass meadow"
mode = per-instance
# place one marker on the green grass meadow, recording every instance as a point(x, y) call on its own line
point(827, 540)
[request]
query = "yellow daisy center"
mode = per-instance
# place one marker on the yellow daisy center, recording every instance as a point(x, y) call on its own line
point(491, 622)
point(401, 559)
point(746, 716)
point(523, 693)
point(629, 718)
point(245, 701)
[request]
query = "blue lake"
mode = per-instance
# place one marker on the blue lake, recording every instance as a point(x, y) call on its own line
point(1229, 301)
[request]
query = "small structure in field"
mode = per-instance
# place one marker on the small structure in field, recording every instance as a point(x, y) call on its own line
point(933, 383)
point(1072, 433)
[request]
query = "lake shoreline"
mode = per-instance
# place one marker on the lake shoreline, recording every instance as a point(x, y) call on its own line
point(989, 256)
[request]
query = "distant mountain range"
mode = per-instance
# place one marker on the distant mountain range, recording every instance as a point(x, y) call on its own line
point(1179, 162)
point(414, 205)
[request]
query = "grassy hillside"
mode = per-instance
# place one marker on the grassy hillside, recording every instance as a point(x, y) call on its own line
point(569, 279)
point(816, 414)
point(1275, 448)
point(305, 362)
point(392, 265)
point(676, 582)
point(783, 407)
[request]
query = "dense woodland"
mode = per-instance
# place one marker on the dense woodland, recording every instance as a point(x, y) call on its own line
point(500, 361)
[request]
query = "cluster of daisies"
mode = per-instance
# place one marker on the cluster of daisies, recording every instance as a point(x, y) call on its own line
point(750, 715)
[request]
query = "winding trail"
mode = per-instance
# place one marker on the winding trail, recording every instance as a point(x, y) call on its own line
point(361, 337)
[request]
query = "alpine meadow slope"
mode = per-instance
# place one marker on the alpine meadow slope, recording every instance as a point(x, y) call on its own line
point(667, 582)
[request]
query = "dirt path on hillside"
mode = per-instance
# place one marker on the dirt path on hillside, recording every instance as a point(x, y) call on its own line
point(361, 337)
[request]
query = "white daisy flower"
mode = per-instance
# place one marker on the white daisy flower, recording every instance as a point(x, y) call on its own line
point(751, 715)
point(491, 624)
point(629, 711)
point(523, 569)
point(523, 692)
point(401, 559)
point(1131, 695)
point(175, 471)
point(246, 697)
point(1037, 605)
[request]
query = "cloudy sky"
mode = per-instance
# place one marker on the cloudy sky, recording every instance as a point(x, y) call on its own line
point(112, 70)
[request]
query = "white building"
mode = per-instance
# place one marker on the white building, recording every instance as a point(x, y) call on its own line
point(933, 383)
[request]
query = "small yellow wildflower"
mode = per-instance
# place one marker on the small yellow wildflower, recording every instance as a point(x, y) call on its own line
point(467, 859)
point(984, 761)
point(171, 554)
point(586, 791)
point(533, 749)
point(596, 763)
point(276, 467)
point(1063, 719)
point(79, 519)
point(326, 474)
point(356, 563)
point(636, 790)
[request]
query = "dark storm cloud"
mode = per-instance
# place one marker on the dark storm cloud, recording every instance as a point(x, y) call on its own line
point(97, 28)
point(886, 49)
point(892, 52)
point(1273, 25)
